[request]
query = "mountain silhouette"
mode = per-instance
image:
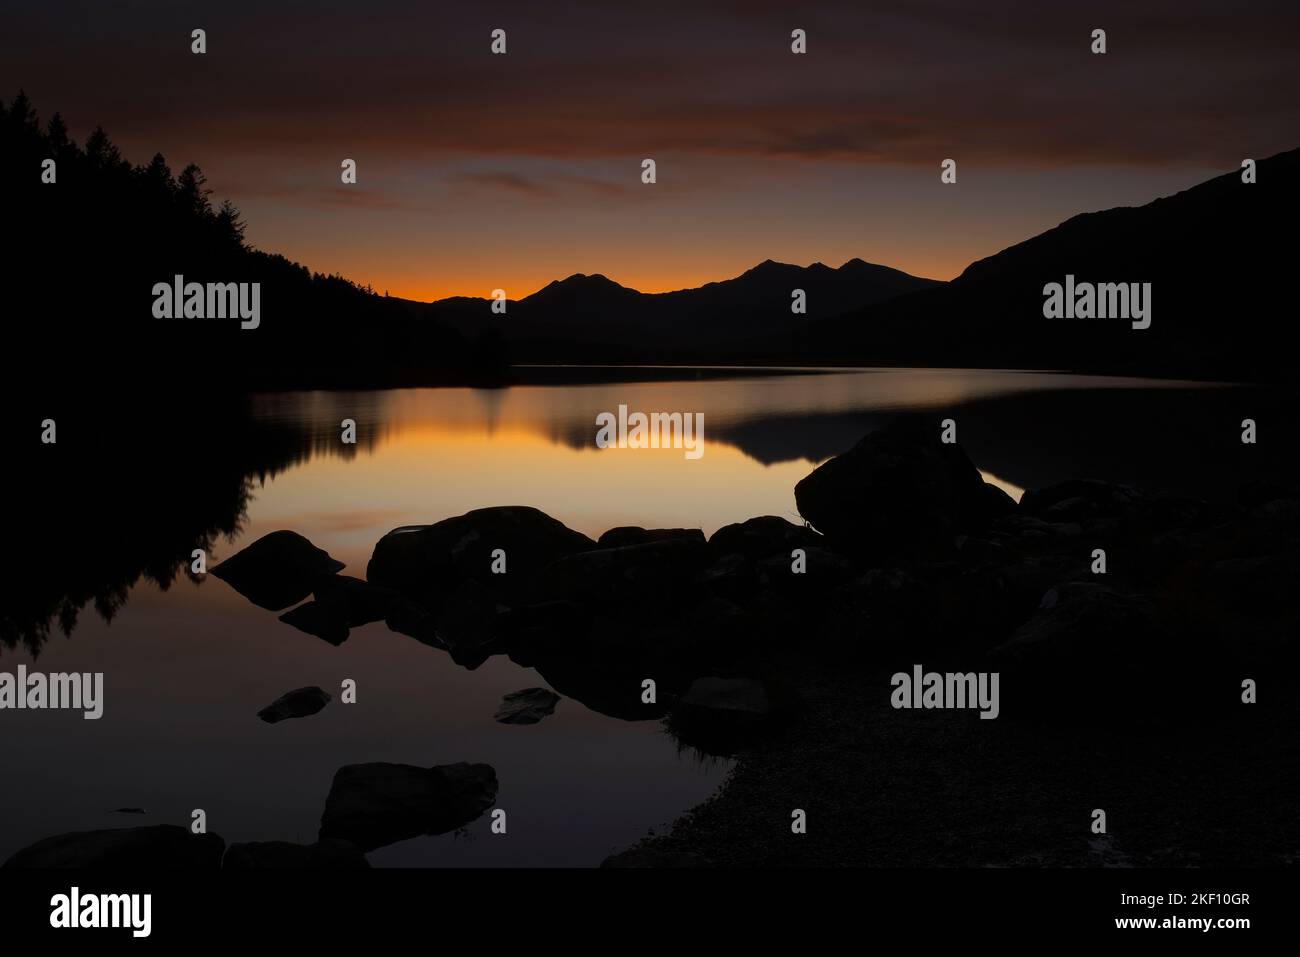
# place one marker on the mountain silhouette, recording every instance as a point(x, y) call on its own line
point(91, 249)
point(1215, 258)
point(585, 317)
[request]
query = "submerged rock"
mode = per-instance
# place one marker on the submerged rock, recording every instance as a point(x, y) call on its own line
point(154, 848)
point(527, 707)
point(372, 805)
point(277, 570)
point(295, 704)
point(900, 490)
point(284, 855)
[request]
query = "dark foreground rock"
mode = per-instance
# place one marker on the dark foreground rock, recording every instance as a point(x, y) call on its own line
point(528, 706)
point(1080, 623)
point(657, 569)
point(762, 537)
point(284, 855)
point(635, 535)
point(899, 491)
point(295, 704)
point(160, 847)
point(277, 570)
point(372, 805)
point(429, 563)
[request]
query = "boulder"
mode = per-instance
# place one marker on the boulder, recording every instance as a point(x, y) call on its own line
point(1088, 625)
point(431, 562)
point(822, 569)
point(372, 805)
point(634, 535)
point(731, 576)
point(760, 537)
point(284, 855)
point(899, 491)
point(155, 848)
point(651, 572)
point(527, 707)
point(295, 704)
point(277, 570)
point(1083, 500)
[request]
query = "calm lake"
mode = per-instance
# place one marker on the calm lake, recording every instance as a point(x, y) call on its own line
point(187, 668)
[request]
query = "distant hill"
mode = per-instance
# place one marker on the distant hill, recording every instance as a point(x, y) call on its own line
point(1218, 255)
point(595, 316)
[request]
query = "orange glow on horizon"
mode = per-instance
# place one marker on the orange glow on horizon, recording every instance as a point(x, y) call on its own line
point(421, 288)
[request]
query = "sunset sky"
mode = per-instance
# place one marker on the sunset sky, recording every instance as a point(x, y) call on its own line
point(478, 171)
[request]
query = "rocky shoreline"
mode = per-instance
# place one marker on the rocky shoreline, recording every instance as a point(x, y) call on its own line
point(1122, 623)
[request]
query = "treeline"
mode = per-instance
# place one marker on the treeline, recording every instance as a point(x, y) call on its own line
point(90, 234)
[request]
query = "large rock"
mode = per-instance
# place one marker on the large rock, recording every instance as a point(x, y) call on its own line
point(651, 572)
point(372, 805)
point(635, 535)
point(155, 848)
point(284, 855)
point(761, 537)
point(277, 570)
point(1082, 500)
point(527, 707)
point(1087, 624)
point(430, 562)
point(900, 490)
point(295, 704)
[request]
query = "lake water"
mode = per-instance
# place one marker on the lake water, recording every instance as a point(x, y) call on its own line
point(187, 667)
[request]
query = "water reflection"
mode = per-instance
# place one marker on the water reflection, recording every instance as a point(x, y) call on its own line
point(104, 509)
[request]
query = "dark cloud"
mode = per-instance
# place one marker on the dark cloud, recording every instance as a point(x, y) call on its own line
point(886, 81)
